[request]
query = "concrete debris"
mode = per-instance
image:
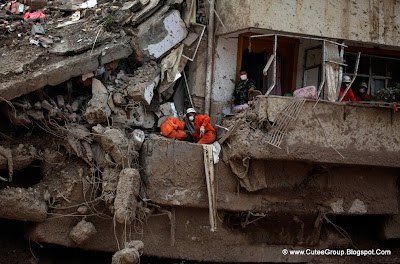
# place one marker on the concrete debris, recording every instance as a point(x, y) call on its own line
point(143, 90)
point(82, 209)
point(22, 205)
point(137, 136)
point(130, 254)
point(117, 146)
point(82, 232)
point(36, 115)
point(149, 120)
point(127, 190)
point(98, 110)
point(119, 99)
point(134, 6)
point(22, 156)
point(167, 31)
point(147, 11)
point(109, 184)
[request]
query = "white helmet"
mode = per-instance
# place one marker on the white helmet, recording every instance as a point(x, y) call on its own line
point(346, 79)
point(190, 110)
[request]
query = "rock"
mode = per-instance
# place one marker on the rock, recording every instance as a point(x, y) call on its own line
point(137, 136)
point(60, 101)
point(167, 30)
point(75, 106)
point(98, 131)
point(82, 231)
point(127, 190)
point(130, 254)
point(119, 99)
point(37, 106)
point(118, 146)
point(35, 114)
point(46, 105)
point(98, 110)
point(141, 85)
point(149, 120)
point(167, 109)
point(82, 209)
point(109, 184)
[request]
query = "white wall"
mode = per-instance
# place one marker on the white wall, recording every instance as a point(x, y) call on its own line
point(224, 71)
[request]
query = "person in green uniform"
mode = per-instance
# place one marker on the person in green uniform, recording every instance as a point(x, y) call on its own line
point(241, 93)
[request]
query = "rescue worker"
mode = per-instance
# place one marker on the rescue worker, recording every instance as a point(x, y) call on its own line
point(241, 92)
point(205, 133)
point(349, 95)
point(173, 128)
point(362, 94)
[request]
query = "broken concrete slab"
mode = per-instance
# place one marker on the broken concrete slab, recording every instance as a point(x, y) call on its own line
point(149, 9)
point(98, 110)
point(134, 6)
point(127, 190)
point(22, 204)
point(82, 232)
point(62, 71)
point(166, 30)
point(141, 86)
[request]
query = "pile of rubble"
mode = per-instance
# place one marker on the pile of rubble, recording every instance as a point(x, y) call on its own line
point(95, 77)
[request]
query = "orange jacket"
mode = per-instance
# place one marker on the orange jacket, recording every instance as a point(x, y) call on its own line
point(349, 95)
point(365, 97)
point(171, 124)
point(202, 120)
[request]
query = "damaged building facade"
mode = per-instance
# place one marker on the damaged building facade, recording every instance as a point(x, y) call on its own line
point(82, 161)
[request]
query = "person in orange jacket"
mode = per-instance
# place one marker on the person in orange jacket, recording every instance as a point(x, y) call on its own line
point(205, 133)
point(349, 95)
point(173, 128)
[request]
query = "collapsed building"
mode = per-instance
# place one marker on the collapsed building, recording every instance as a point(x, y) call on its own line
point(84, 91)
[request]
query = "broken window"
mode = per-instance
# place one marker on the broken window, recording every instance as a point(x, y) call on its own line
point(378, 72)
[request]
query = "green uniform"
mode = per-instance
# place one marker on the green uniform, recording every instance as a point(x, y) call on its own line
point(241, 93)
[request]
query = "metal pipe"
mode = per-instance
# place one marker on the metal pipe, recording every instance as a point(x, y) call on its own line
point(300, 37)
point(340, 75)
point(354, 77)
point(274, 69)
point(187, 88)
point(323, 70)
point(210, 50)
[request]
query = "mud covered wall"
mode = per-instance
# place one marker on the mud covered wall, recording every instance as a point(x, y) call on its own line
point(372, 21)
point(275, 185)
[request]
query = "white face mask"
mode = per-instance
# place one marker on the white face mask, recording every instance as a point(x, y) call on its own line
point(347, 84)
point(362, 90)
point(191, 118)
point(243, 77)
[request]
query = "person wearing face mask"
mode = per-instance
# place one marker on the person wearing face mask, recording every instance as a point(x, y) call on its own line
point(173, 128)
point(349, 95)
point(362, 92)
point(241, 93)
point(203, 132)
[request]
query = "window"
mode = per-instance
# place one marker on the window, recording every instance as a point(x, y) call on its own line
point(378, 72)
